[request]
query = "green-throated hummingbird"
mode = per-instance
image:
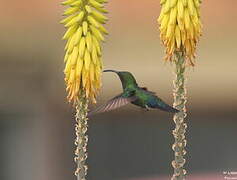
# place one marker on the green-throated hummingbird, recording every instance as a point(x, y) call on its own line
point(132, 93)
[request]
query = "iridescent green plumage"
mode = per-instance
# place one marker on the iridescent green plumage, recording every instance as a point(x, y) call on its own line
point(134, 94)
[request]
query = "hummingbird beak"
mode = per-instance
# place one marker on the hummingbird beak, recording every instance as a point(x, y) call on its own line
point(108, 70)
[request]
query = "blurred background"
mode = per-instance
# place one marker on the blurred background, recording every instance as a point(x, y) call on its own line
point(37, 125)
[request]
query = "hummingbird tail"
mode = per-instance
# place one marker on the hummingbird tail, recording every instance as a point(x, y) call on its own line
point(173, 110)
point(168, 108)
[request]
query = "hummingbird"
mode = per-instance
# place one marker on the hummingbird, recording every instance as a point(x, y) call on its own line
point(132, 93)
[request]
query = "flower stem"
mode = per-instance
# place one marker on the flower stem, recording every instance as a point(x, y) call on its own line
point(81, 137)
point(179, 118)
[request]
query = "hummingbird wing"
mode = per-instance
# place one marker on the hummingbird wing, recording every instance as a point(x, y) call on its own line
point(116, 102)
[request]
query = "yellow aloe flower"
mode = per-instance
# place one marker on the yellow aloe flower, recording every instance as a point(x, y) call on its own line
point(83, 48)
point(180, 27)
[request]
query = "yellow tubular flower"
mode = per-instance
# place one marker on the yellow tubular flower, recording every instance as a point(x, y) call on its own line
point(84, 35)
point(180, 27)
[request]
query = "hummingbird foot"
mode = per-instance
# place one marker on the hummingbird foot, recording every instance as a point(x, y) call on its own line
point(147, 108)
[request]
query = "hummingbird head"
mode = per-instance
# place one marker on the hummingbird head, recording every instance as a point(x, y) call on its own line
point(126, 78)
